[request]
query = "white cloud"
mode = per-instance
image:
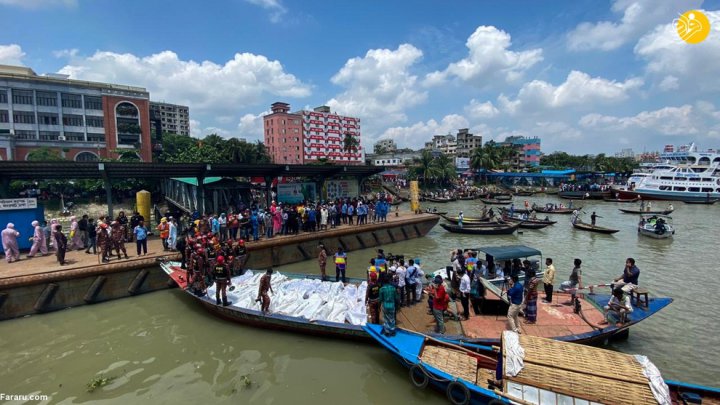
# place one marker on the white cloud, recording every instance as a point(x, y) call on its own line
point(206, 87)
point(668, 83)
point(638, 16)
point(251, 126)
point(275, 7)
point(195, 128)
point(488, 58)
point(416, 135)
point(11, 55)
point(36, 4)
point(696, 66)
point(379, 85)
point(66, 53)
point(480, 110)
point(579, 90)
point(667, 121)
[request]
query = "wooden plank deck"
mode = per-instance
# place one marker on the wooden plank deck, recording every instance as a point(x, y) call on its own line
point(416, 318)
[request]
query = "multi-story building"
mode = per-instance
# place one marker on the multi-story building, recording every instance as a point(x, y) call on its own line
point(305, 136)
point(443, 143)
point(625, 153)
point(466, 143)
point(399, 158)
point(174, 119)
point(527, 151)
point(385, 146)
point(80, 120)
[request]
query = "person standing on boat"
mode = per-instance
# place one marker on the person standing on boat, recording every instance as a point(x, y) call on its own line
point(388, 296)
point(340, 264)
point(515, 296)
point(593, 218)
point(372, 299)
point(410, 282)
point(460, 219)
point(630, 276)
point(548, 280)
point(401, 273)
point(531, 295)
point(221, 273)
point(440, 299)
point(322, 261)
point(575, 281)
point(265, 286)
point(464, 292)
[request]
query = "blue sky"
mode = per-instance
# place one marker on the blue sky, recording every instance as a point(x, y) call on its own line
point(587, 76)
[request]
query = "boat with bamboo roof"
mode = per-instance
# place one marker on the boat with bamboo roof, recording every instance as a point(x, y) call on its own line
point(533, 370)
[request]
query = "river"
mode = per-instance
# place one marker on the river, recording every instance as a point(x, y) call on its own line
point(162, 348)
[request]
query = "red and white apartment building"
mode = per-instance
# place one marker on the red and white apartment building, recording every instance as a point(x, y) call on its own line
point(305, 136)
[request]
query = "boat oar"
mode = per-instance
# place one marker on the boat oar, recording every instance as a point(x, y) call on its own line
point(454, 346)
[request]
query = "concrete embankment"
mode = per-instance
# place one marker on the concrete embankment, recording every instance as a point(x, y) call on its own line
point(40, 285)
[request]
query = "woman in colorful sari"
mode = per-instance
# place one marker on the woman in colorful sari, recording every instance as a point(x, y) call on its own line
point(531, 296)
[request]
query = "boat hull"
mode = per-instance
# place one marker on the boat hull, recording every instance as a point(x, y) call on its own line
point(596, 229)
point(654, 235)
point(638, 212)
point(587, 195)
point(665, 195)
point(499, 230)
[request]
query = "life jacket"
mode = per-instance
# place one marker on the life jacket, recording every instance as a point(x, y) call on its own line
point(340, 259)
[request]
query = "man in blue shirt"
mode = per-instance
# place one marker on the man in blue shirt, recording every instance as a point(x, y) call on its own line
point(515, 296)
point(631, 274)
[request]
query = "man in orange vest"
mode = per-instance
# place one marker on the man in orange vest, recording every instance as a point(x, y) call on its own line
point(164, 229)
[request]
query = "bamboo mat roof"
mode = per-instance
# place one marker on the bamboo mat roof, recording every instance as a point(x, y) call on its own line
point(585, 372)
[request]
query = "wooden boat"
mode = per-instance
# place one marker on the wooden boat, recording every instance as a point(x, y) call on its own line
point(598, 229)
point(560, 323)
point(587, 195)
point(489, 230)
point(495, 201)
point(516, 210)
point(563, 211)
point(534, 370)
point(501, 196)
point(527, 223)
point(439, 200)
point(524, 193)
point(638, 212)
point(532, 221)
point(621, 200)
point(706, 201)
point(438, 212)
point(649, 226)
point(466, 220)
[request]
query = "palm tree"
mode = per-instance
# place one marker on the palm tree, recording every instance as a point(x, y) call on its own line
point(423, 167)
point(445, 168)
point(485, 157)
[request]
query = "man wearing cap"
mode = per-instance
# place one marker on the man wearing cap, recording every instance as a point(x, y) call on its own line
point(222, 278)
point(38, 239)
point(164, 230)
point(9, 243)
point(372, 299)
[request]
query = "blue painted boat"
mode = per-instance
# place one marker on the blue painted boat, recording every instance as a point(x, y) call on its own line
point(535, 370)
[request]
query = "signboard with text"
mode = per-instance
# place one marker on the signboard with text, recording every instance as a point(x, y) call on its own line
point(18, 203)
point(294, 193)
point(341, 189)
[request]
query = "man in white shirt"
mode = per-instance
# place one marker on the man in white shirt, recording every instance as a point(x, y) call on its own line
point(465, 293)
point(401, 273)
point(617, 308)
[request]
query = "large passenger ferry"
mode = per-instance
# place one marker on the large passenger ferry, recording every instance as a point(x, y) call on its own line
point(688, 175)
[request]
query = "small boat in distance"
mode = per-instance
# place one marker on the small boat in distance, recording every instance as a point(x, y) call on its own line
point(585, 195)
point(527, 368)
point(499, 229)
point(553, 210)
point(709, 201)
point(594, 228)
point(621, 200)
point(667, 211)
point(496, 201)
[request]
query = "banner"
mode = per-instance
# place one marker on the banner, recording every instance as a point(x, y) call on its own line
point(462, 163)
point(18, 204)
point(294, 193)
point(414, 196)
point(341, 189)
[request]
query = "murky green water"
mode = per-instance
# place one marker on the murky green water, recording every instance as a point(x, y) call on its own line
point(161, 348)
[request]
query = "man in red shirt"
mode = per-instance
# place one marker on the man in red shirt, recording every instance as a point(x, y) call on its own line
point(440, 304)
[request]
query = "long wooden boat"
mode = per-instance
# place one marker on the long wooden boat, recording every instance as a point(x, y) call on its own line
point(466, 220)
point(558, 322)
point(516, 210)
point(439, 200)
point(706, 202)
point(495, 201)
point(524, 193)
point(594, 228)
point(563, 211)
point(532, 370)
point(588, 195)
point(527, 223)
point(489, 230)
point(466, 197)
point(621, 200)
point(437, 212)
point(532, 221)
point(638, 212)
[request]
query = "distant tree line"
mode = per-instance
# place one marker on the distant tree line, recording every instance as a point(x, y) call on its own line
point(588, 163)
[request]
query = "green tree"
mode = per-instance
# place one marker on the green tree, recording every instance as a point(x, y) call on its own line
point(444, 169)
point(198, 154)
point(44, 154)
point(422, 168)
point(350, 143)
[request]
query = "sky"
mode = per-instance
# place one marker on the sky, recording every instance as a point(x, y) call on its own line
point(585, 76)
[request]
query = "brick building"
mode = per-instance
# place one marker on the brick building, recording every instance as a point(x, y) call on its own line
point(82, 121)
point(305, 136)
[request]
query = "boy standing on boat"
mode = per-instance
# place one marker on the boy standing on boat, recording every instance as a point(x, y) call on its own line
point(388, 297)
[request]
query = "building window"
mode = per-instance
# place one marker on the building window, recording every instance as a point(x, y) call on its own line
point(23, 117)
point(25, 134)
point(95, 137)
point(86, 157)
point(49, 135)
point(47, 99)
point(73, 120)
point(282, 122)
point(22, 97)
point(297, 131)
point(74, 136)
point(3, 96)
point(296, 122)
point(4, 117)
point(71, 100)
point(93, 103)
point(47, 119)
point(95, 122)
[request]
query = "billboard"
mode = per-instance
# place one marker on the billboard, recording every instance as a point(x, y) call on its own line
point(341, 189)
point(462, 163)
point(294, 193)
